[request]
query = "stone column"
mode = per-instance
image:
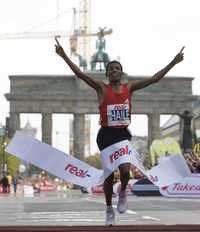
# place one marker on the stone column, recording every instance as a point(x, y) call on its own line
point(14, 123)
point(79, 135)
point(153, 127)
point(47, 128)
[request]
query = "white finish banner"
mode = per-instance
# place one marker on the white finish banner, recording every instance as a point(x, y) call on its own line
point(54, 161)
point(172, 169)
point(118, 153)
point(78, 172)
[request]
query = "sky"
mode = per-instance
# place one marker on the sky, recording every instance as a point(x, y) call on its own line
point(147, 34)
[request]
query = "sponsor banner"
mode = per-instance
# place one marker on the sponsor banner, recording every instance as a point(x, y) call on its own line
point(118, 153)
point(54, 161)
point(171, 170)
point(114, 155)
point(33, 151)
point(95, 189)
point(189, 187)
point(48, 187)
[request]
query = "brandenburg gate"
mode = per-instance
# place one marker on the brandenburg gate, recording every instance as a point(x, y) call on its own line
point(49, 94)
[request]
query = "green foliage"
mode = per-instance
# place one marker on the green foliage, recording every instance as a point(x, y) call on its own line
point(12, 161)
point(12, 164)
point(94, 160)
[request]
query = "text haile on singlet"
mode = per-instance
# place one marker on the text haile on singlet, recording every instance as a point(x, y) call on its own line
point(118, 115)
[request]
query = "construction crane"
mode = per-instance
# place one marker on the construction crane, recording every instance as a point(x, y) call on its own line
point(81, 27)
point(79, 36)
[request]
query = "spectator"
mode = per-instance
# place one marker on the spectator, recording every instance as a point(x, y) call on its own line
point(193, 162)
point(14, 182)
point(5, 184)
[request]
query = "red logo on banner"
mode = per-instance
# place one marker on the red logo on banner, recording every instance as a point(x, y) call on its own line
point(76, 171)
point(122, 151)
point(186, 187)
point(153, 178)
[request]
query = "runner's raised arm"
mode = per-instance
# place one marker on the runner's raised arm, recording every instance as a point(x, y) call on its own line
point(95, 84)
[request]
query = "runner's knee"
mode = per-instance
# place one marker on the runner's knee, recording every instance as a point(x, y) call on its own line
point(124, 168)
point(109, 179)
point(125, 176)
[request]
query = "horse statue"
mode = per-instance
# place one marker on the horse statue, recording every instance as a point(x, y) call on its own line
point(100, 56)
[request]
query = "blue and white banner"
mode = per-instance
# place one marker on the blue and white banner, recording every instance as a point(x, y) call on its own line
point(29, 149)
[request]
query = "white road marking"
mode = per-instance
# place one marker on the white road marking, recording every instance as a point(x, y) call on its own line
point(131, 212)
point(151, 218)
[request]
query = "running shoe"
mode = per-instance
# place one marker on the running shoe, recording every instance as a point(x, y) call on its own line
point(110, 216)
point(122, 202)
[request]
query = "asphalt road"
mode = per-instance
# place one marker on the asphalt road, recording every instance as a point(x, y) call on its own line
point(75, 208)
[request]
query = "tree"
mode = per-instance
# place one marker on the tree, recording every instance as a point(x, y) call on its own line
point(12, 164)
point(11, 161)
point(94, 160)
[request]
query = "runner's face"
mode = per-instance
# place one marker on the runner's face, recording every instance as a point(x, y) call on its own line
point(114, 72)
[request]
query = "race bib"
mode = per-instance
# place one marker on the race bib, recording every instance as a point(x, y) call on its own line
point(118, 115)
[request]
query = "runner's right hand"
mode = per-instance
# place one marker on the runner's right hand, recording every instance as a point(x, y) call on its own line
point(59, 50)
